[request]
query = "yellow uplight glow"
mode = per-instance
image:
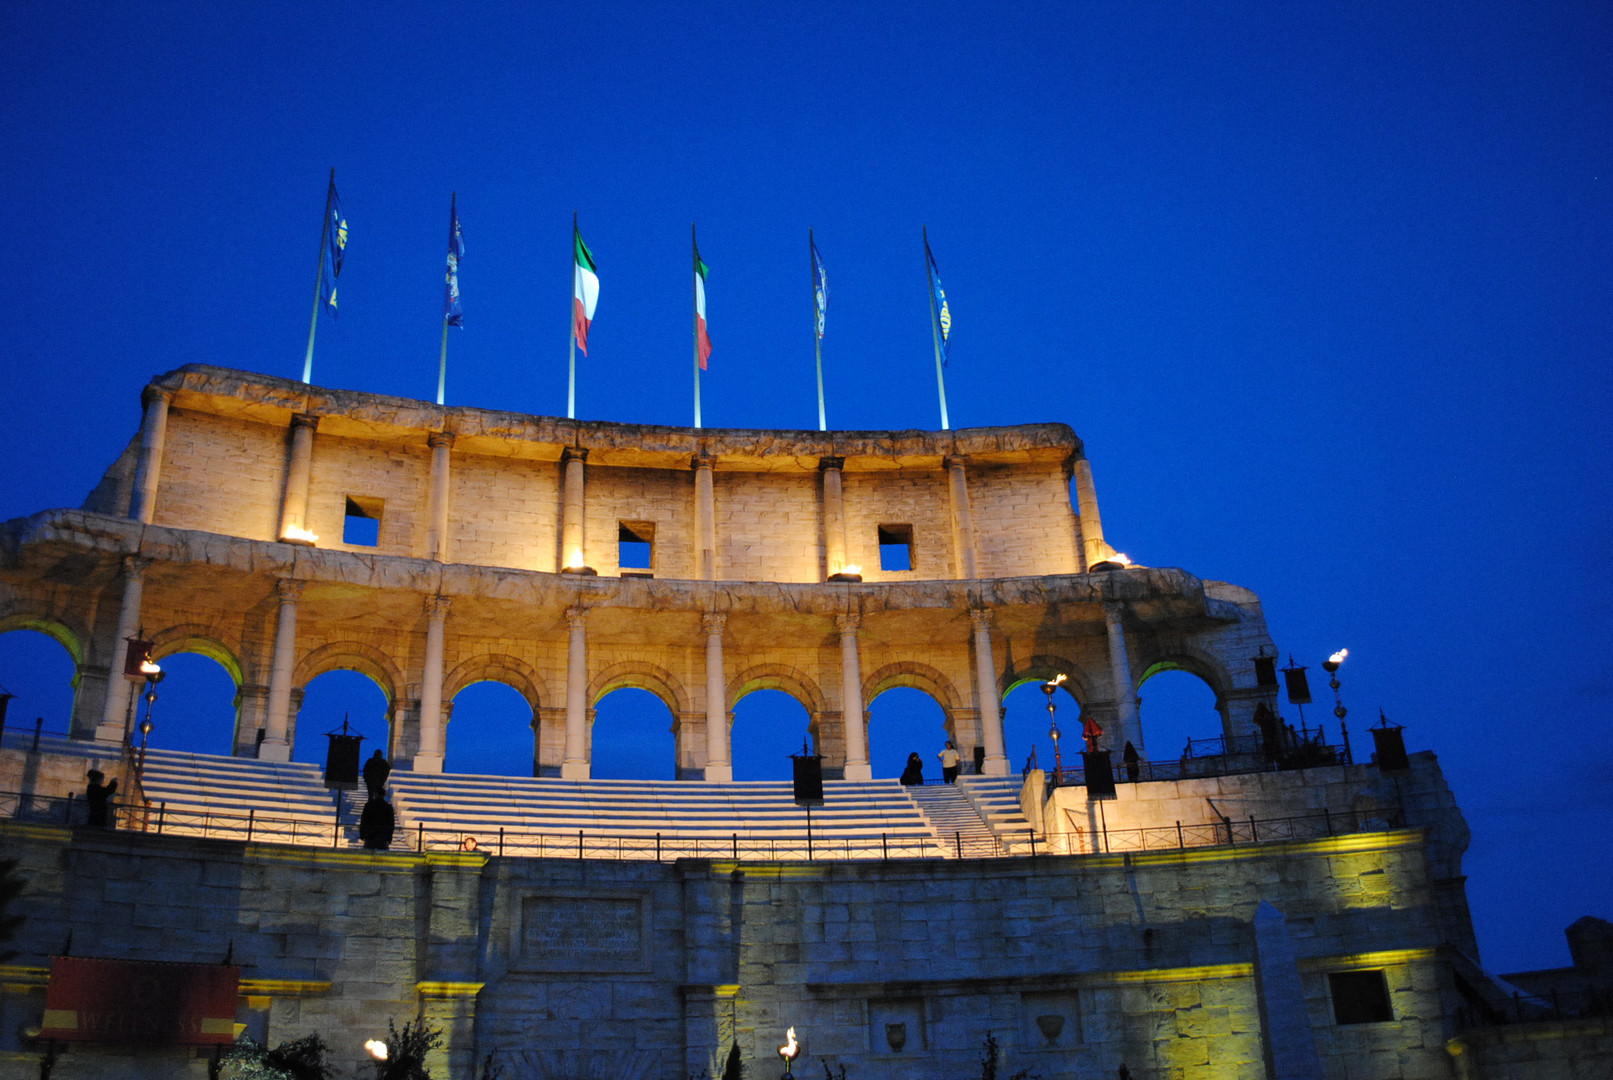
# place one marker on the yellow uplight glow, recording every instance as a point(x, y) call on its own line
point(297, 532)
point(376, 1048)
point(1338, 657)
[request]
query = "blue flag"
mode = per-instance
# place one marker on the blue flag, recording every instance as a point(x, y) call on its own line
point(820, 285)
point(938, 304)
point(336, 244)
point(452, 314)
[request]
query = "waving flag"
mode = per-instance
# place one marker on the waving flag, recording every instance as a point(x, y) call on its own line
point(702, 337)
point(336, 240)
point(820, 284)
point(943, 316)
point(584, 288)
point(452, 314)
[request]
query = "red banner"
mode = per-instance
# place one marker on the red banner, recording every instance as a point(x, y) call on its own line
point(140, 1001)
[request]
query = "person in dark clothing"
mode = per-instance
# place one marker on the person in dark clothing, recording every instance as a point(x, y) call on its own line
point(376, 823)
point(98, 795)
point(914, 773)
point(1133, 762)
point(376, 771)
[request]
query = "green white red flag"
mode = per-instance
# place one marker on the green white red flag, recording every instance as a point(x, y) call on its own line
point(701, 336)
point(584, 289)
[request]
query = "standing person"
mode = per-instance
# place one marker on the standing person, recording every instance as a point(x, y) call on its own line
point(949, 763)
point(98, 795)
point(914, 773)
point(376, 771)
point(1133, 762)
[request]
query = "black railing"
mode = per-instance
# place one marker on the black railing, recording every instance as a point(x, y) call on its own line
point(1305, 755)
point(1581, 1004)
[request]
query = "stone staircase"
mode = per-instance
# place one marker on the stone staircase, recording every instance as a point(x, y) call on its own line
point(978, 817)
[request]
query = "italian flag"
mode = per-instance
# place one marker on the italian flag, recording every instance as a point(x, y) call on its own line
point(702, 339)
point(584, 290)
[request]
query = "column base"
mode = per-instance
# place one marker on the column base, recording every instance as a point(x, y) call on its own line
point(994, 766)
point(720, 772)
point(574, 770)
point(859, 770)
point(274, 750)
point(428, 763)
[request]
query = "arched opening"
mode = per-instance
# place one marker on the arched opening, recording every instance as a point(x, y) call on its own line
point(39, 672)
point(1026, 726)
point(195, 709)
point(1176, 705)
point(901, 721)
point(632, 737)
point(769, 726)
point(334, 696)
point(490, 732)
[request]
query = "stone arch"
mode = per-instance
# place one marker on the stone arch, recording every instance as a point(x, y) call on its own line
point(1044, 666)
point(351, 656)
point(196, 638)
point(511, 671)
point(640, 675)
point(1194, 661)
point(54, 629)
point(919, 677)
point(793, 681)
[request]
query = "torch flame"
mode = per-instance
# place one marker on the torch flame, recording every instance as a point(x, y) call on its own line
point(791, 1048)
point(376, 1048)
point(1338, 657)
point(852, 568)
point(574, 559)
point(297, 532)
point(1057, 679)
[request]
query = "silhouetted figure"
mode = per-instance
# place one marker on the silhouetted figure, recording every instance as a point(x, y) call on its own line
point(1091, 731)
point(914, 773)
point(1133, 762)
point(376, 771)
point(98, 795)
point(949, 762)
point(376, 824)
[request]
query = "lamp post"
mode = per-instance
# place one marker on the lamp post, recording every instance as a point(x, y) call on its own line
point(153, 675)
point(1053, 724)
point(1331, 666)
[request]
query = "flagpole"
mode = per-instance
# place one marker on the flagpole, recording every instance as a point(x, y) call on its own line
point(694, 308)
point(442, 362)
point(817, 340)
point(935, 330)
point(576, 273)
point(319, 279)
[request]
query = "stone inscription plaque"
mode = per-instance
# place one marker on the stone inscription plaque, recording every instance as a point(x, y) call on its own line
point(582, 933)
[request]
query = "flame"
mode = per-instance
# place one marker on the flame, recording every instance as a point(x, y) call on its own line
point(1121, 557)
point(852, 568)
point(1338, 657)
point(1057, 679)
point(574, 559)
point(297, 532)
point(149, 668)
point(376, 1048)
point(791, 1048)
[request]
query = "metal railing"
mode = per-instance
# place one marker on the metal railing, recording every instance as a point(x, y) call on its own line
point(1580, 1004)
point(160, 819)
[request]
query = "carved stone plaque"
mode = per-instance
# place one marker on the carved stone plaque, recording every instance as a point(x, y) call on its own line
point(578, 933)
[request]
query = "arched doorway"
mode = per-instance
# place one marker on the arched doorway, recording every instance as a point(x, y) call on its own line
point(1176, 705)
point(632, 737)
point(901, 721)
point(38, 670)
point(490, 732)
point(1026, 726)
point(196, 706)
point(769, 726)
point(329, 699)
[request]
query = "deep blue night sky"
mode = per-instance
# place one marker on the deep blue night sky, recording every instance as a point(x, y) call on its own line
point(1325, 288)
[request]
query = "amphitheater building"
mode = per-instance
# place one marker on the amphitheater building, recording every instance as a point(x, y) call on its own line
point(1274, 909)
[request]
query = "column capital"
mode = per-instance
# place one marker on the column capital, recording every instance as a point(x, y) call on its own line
point(134, 567)
point(848, 623)
point(1114, 610)
point(954, 461)
point(713, 622)
point(287, 590)
point(302, 419)
point(577, 618)
point(440, 438)
point(980, 619)
point(437, 606)
point(702, 461)
point(573, 453)
point(827, 463)
point(156, 393)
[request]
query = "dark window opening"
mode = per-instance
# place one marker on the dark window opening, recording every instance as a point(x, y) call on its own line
point(896, 547)
point(362, 525)
point(635, 548)
point(1360, 997)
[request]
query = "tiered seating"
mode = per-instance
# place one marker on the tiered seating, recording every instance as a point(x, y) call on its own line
point(207, 795)
point(647, 819)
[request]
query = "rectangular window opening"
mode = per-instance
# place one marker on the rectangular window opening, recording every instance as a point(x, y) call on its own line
point(361, 526)
point(1360, 997)
point(896, 547)
point(635, 548)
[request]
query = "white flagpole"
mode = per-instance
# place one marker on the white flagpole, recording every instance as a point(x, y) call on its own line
point(694, 305)
point(319, 279)
point(576, 273)
point(817, 340)
point(935, 330)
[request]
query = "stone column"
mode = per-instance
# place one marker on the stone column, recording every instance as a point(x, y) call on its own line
point(441, 442)
point(851, 700)
point(1126, 724)
point(834, 515)
point(705, 520)
point(294, 499)
point(574, 766)
point(153, 433)
point(114, 713)
point(428, 758)
point(719, 761)
point(573, 539)
point(1093, 548)
point(276, 746)
point(963, 529)
point(991, 715)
